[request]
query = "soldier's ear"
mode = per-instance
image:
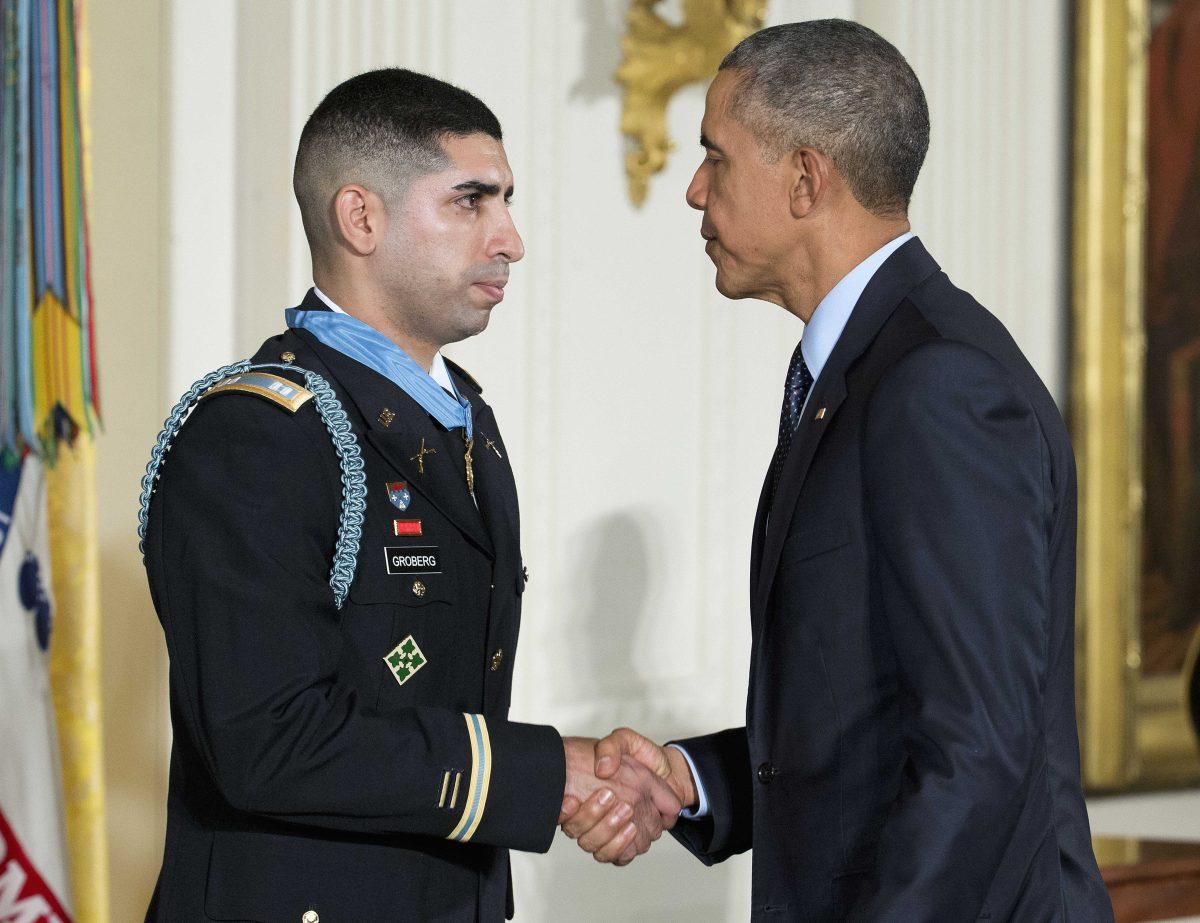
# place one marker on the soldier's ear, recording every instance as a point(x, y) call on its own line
point(358, 215)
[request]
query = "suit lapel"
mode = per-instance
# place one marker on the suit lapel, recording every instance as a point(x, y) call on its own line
point(826, 397)
point(758, 539)
point(909, 266)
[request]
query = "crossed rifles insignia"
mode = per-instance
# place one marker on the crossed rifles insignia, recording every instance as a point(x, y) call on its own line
point(419, 458)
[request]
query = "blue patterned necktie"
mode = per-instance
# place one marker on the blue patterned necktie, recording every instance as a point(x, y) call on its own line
point(795, 393)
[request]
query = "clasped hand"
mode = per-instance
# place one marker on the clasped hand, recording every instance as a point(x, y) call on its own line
point(622, 792)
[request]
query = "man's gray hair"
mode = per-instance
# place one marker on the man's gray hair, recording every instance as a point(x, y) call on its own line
point(841, 89)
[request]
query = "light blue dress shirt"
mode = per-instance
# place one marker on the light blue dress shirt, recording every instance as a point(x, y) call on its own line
point(833, 313)
point(820, 337)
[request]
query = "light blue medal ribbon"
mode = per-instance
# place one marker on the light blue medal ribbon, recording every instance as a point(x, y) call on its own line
point(363, 343)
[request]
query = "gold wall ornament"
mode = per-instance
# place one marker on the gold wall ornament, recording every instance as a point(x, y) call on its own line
point(661, 58)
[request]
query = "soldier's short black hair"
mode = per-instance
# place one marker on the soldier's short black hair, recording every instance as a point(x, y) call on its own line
point(380, 129)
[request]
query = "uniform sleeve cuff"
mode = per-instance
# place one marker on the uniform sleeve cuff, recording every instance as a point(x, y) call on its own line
point(516, 785)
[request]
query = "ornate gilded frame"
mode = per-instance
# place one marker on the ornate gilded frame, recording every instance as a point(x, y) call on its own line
point(1135, 731)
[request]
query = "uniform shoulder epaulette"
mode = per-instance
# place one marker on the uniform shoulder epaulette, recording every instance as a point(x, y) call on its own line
point(275, 388)
point(254, 379)
point(467, 376)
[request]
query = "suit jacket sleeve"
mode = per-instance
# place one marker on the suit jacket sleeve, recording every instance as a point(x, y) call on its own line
point(957, 489)
point(723, 763)
point(242, 532)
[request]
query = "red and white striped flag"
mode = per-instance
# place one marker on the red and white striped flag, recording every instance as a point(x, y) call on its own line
point(33, 854)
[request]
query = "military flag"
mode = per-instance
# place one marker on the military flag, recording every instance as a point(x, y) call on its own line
point(52, 861)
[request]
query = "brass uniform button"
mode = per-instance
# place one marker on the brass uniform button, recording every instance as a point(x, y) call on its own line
point(497, 659)
point(290, 356)
point(310, 916)
point(419, 588)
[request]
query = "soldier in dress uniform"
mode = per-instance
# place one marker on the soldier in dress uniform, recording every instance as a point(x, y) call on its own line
point(333, 547)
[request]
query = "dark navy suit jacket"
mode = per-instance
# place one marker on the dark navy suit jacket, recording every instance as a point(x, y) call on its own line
point(910, 750)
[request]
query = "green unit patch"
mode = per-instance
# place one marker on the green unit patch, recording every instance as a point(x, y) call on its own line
point(404, 660)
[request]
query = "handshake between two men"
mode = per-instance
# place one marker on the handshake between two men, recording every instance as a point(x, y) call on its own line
point(622, 792)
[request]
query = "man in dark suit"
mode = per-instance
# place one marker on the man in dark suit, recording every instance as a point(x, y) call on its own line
point(333, 548)
point(910, 749)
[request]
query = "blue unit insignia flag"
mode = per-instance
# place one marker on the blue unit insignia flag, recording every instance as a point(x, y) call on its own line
point(398, 493)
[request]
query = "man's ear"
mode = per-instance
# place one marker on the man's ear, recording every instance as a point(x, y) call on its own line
point(358, 214)
point(810, 180)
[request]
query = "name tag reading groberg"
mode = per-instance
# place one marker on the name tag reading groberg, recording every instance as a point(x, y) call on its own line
point(413, 559)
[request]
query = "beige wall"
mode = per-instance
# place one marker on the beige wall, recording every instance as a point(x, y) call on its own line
point(127, 111)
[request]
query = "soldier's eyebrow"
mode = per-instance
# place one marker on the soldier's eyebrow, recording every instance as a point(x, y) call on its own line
point(482, 188)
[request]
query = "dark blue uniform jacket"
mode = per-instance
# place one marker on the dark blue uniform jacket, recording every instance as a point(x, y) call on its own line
point(321, 762)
